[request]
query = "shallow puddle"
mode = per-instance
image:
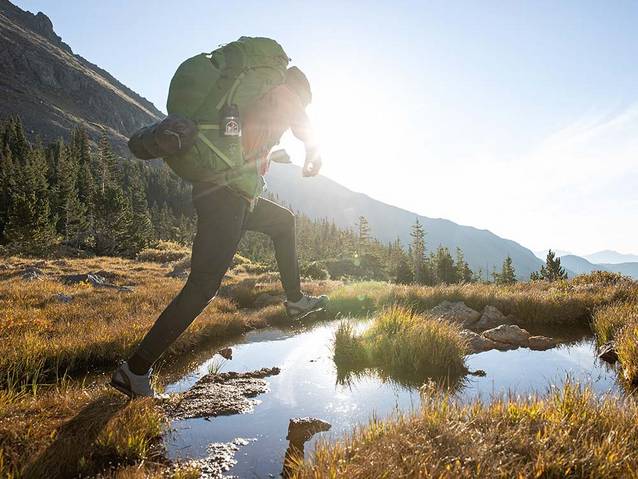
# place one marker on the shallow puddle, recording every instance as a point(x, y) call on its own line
point(307, 386)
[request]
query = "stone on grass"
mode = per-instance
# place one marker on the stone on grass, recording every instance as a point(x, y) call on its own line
point(456, 312)
point(490, 318)
point(63, 298)
point(508, 334)
point(541, 343)
point(97, 280)
point(31, 273)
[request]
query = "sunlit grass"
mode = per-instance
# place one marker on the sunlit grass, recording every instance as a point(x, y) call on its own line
point(618, 323)
point(539, 303)
point(567, 433)
point(403, 344)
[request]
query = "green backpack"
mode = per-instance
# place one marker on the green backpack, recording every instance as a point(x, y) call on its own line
point(203, 86)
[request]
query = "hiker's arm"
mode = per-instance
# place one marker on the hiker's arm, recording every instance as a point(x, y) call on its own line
point(303, 130)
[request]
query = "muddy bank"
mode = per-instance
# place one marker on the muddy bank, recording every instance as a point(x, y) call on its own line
point(220, 394)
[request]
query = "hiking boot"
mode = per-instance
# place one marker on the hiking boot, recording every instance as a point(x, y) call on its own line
point(306, 305)
point(133, 385)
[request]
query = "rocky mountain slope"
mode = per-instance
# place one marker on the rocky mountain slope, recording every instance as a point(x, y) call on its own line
point(53, 90)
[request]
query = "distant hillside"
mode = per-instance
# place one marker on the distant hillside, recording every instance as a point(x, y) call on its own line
point(323, 198)
point(579, 265)
point(543, 253)
point(53, 90)
point(612, 257)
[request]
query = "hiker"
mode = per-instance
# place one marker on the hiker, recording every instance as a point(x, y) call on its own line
point(226, 199)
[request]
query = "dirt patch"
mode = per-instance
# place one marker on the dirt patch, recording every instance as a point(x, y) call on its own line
point(220, 394)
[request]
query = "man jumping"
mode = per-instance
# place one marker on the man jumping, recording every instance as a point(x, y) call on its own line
point(223, 214)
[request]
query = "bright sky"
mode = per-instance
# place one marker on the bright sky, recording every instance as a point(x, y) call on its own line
point(519, 117)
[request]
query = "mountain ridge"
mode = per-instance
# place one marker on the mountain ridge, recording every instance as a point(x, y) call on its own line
point(53, 90)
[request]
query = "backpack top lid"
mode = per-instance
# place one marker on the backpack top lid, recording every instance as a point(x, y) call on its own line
point(298, 82)
point(238, 72)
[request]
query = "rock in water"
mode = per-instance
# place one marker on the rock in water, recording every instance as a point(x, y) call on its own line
point(226, 353)
point(490, 318)
point(456, 312)
point(541, 343)
point(477, 343)
point(508, 334)
point(302, 429)
point(608, 353)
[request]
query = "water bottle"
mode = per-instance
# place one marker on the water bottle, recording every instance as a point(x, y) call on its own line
point(230, 124)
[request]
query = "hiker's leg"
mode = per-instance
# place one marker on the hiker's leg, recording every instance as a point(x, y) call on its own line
point(279, 223)
point(220, 216)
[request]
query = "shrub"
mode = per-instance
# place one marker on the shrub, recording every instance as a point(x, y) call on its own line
point(313, 270)
point(164, 252)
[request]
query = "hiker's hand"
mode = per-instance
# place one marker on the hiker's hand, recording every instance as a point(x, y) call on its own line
point(312, 164)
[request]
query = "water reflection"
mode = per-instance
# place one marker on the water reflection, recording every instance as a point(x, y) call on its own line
point(310, 385)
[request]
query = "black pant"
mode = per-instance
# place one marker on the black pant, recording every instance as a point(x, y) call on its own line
point(222, 217)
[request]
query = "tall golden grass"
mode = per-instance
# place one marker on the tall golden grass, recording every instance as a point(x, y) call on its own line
point(567, 433)
point(618, 323)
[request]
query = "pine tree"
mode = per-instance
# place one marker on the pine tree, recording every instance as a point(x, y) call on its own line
point(113, 221)
point(445, 269)
point(507, 274)
point(463, 272)
point(363, 235)
point(418, 252)
point(552, 270)
point(29, 227)
point(141, 229)
point(403, 274)
point(7, 185)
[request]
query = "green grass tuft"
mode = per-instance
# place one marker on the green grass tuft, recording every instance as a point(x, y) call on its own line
point(402, 344)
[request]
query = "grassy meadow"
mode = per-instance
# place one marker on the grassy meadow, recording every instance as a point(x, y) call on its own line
point(57, 413)
point(56, 357)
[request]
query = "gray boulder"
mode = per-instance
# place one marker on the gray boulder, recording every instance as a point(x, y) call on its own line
point(508, 334)
point(490, 318)
point(456, 312)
